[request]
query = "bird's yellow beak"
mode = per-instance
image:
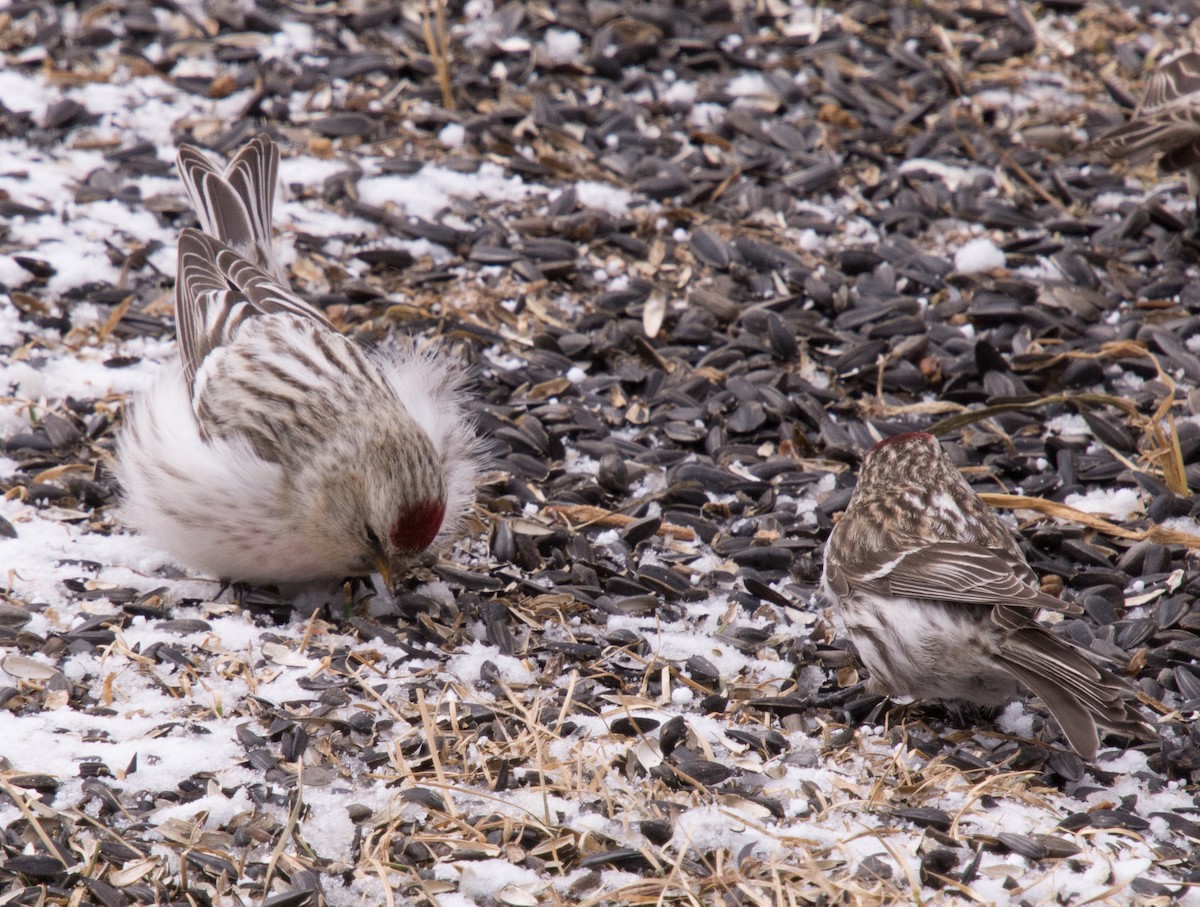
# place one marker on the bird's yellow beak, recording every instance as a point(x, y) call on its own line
point(385, 570)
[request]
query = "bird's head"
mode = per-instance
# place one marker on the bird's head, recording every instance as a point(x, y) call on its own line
point(396, 536)
point(914, 456)
point(380, 507)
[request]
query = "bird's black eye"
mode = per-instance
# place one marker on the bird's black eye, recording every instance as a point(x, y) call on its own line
point(372, 537)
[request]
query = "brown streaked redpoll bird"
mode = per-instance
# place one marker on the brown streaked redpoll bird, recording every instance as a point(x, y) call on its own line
point(278, 450)
point(941, 604)
point(1166, 122)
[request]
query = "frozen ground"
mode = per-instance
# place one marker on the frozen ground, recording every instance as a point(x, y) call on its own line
point(620, 686)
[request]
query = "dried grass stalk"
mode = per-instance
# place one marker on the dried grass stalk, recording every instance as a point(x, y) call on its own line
point(1160, 534)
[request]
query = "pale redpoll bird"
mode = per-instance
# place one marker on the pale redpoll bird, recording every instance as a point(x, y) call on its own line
point(278, 450)
point(1166, 122)
point(940, 603)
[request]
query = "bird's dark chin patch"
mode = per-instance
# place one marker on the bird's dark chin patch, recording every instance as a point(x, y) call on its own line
point(416, 528)
point(907, 436)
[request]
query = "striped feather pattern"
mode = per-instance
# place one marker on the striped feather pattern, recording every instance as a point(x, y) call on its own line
point(1166, 122)
point(941, 604)
point(235, 206)
point(283, 371)
point(229, 273)
point(280, 450)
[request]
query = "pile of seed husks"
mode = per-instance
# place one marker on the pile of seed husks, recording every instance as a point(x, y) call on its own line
point(700, 257)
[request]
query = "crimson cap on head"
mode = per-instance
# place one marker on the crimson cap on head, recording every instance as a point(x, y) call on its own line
point(417, 527)
point(907, 436)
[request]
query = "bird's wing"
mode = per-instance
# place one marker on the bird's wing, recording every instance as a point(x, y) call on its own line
point(836, 584)
point(235, 206)
point(1173, 80)
point(955, 572)
point(216, 290)
point(1167, 116)
point(1150, 132)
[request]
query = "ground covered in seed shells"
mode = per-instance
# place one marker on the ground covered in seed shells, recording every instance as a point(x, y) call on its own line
point(700, 257)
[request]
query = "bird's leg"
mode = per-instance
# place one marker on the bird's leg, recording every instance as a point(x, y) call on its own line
point(1193, 184)
point(900, 713)
point(352, 586)
point(1189, 238)
point(969, 714)
point(240, 591)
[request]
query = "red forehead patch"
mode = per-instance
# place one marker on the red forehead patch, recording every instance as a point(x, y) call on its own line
point(907, 436)
point(417, 527)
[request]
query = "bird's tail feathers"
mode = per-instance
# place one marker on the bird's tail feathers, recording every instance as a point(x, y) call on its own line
point(235, 206)
point(1079, 694)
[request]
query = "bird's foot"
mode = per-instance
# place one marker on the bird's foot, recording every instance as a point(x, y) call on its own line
point(356, 592)
point(261, 600)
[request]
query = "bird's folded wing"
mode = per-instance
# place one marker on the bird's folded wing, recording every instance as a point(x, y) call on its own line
point(1173, 80)
point(216, 290)
point(958, 572)
point(1149, 133)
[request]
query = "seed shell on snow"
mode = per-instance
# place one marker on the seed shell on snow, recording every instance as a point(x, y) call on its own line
point(698, 258)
